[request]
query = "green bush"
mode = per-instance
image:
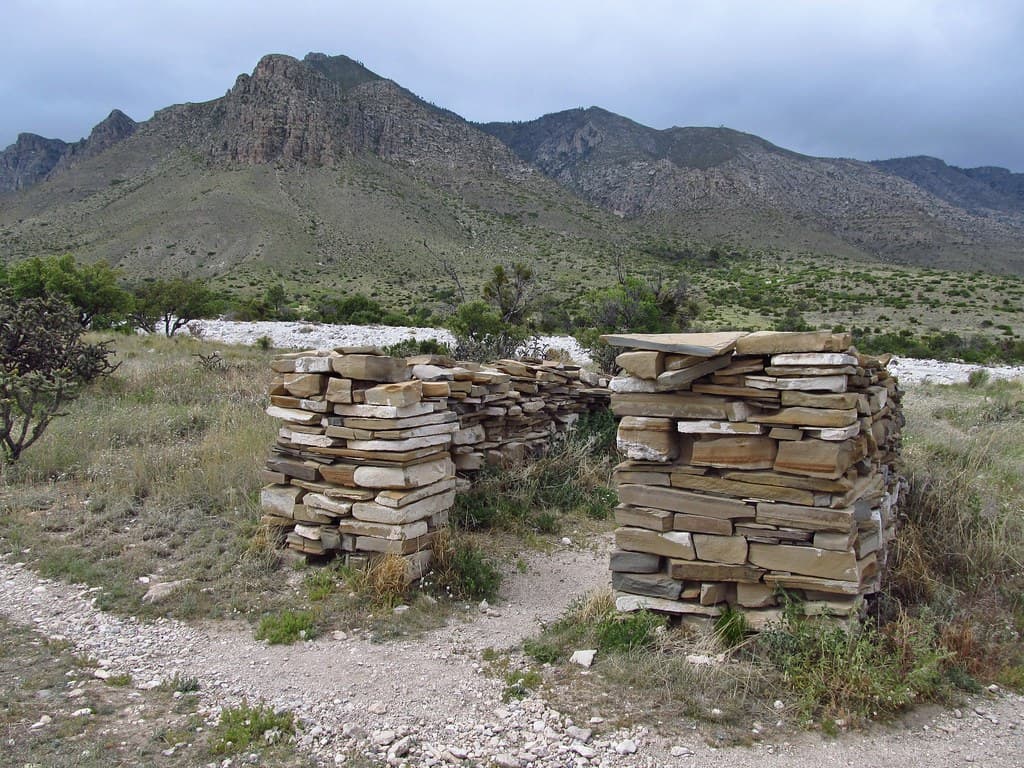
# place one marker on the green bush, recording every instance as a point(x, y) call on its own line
point(463, 571)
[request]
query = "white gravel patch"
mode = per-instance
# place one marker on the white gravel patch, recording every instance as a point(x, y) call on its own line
point(306, 335)
point(914, 371)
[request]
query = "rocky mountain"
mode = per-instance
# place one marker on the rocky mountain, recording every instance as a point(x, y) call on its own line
point(315, 171)
point(323, 174)
point(974, 189)
point(715, 179)
point(33, 158)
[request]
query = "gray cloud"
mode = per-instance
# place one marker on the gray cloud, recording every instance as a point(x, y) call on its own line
point(869, 80)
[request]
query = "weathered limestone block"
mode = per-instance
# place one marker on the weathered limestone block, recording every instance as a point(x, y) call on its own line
point(806, 561)
point(642, 517)
point(736, 452)
point(675, 544)
point(635, 562)
point(305, 384)
point(373, 512)
point(676, 500)
point(651, 584)
point(399, 394)
point(411, 476)
point(643, 365)
point(371, 368)
point(648, 439)
point(720, 549)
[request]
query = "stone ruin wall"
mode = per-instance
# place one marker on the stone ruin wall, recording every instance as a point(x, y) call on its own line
point(372, 449)
point(754, 462)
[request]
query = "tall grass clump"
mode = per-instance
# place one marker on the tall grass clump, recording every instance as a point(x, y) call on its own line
point(959, 559)
point(572, 479)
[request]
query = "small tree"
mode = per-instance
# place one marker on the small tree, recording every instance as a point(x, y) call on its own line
point(175, 303)
point(481, 334)
point(632, 306)
point(43, 366)
point(92, 289)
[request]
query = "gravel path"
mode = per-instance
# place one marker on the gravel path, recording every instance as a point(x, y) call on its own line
point(428, 702)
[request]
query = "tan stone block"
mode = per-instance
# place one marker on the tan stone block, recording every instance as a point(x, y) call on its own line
point(673, 406)
point(780, 342)
point(712, 427)
point(337, 507)
point(816, 458)
point(393, 547)
point(676, 500)
point(808, 518)
point(399, 499)
point(436, 389)
point(374, 512)
point(642, 517)
point(720, 549)
point(280, 499)
point(701, 524)
point(628, 603)
point(643, 365)
point(717, 592)
point(409, 444)
point(699, 344)
point(675, 544)
point(293, 415)
point(804, 383)
point(412, 476)
point(396, 532)
point(701, 571)
point(755, 595)
point(806, 561)
point(313, 364)
point(651, 584)
point(840, 401)
point(683, 377)
point(399, 394)
point(815, 359)
point(305, 384)
point(807, 417)
point(793, 581)
point(742, 490)
point(371, 368)
point(738, 452)
point(647, 439)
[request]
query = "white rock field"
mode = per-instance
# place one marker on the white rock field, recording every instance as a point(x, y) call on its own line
point(306, 335)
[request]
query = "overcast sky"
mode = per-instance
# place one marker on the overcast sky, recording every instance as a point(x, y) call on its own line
point(871, 79)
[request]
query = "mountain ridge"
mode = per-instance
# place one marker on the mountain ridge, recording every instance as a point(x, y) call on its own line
point(301, 144)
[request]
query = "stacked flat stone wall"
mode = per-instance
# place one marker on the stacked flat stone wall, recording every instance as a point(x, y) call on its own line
point(372, 448)
point(757, 465)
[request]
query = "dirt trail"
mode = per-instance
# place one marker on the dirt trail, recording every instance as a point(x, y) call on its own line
point(430, 696)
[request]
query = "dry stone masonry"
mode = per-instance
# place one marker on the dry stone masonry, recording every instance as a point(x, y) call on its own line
point(369, 445)
point(755, 463)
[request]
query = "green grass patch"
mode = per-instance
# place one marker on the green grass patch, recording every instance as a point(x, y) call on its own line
point(286, 627)
point(247, 727)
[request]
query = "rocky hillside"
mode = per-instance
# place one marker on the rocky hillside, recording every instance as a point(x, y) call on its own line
point(714, 179)
point(322, 172)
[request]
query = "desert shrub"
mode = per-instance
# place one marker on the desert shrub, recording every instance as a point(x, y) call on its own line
point(44, 365)
point(411, 347)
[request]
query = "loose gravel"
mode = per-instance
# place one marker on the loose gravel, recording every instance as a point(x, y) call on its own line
point(431, 702)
